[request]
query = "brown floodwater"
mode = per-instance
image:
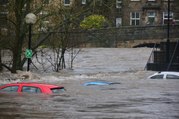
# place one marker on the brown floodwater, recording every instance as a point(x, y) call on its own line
point(132, 97)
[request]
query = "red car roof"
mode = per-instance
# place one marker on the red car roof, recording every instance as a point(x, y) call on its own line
point(46, 88)
point(38, 84)
point(33, 84)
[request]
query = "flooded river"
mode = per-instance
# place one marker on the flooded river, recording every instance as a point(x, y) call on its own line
point(132, 97)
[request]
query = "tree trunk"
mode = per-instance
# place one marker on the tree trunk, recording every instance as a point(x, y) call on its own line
point(17, 49)
point(61, 64)
point(16, 62)
point(63, 58)
point(0, 62)
point(20, 34)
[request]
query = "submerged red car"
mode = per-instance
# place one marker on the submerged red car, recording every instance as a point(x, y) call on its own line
point(32, 88)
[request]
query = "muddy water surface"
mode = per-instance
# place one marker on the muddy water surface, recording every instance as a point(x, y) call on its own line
point(135, 97)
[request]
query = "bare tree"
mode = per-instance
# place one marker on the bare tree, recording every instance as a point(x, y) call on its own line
point(52, 19)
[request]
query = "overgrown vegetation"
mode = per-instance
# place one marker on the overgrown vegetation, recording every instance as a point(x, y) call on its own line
point(55, 24)
point(93, 21)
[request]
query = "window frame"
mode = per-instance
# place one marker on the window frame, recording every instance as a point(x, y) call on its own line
point(118, 4)
point(66, 4)
point(165, 17)
point(118, 22)
point(43, 26)
point(46, 1)
point(83, 2)
point(135, 19)
point(167, 0)
point(149, 16)
point(135, 0)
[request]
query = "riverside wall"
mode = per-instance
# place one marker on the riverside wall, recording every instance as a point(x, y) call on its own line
point(127, 36)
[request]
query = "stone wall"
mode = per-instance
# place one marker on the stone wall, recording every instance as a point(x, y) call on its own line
point(114, 37)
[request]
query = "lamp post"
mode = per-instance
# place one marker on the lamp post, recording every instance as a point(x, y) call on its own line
point(168, 35)
point(30, 19)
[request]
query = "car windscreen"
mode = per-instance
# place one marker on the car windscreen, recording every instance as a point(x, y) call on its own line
point(10, 89)
point(57, 90)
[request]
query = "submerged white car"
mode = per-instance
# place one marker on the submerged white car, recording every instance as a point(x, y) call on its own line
point(165, 75)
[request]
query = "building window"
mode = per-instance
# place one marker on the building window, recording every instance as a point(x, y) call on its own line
point(151, 0)
point(44, 26)
point(151, 18)
point(165, 17)
point(3, 2)
point(46, 1)
point(44, 23)
point(167, 0)
point(118, 22)
point(119, 4)
point(134, 18)
point(66, 2)
point(3, 19)
point(83, 2)
point(135, 0)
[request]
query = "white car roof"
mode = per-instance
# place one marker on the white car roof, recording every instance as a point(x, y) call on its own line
point(164, 73)
point(168, 72)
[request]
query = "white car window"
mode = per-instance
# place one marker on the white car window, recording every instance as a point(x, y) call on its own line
point(158, 76)
point(171, 76)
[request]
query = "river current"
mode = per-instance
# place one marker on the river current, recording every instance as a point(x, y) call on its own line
point(132, 97)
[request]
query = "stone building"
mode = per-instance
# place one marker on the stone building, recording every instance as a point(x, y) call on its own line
point(3, 14)
point(147, 12)
point(132, 12)
point(118, 12)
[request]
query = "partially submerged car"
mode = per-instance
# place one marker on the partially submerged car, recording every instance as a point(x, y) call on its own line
point(165, 75)
point(99, 83)
point(32, 88)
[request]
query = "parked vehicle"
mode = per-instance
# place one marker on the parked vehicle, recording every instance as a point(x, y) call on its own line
point(32, 88)
point(165, 75)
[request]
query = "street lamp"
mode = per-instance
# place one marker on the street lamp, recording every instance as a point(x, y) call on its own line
point(30, 19)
